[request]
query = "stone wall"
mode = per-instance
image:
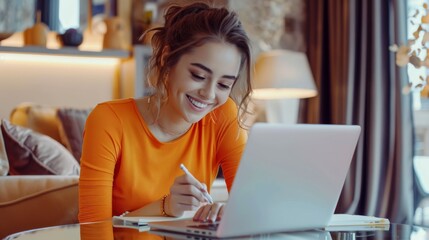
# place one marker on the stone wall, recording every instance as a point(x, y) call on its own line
point(273, 24)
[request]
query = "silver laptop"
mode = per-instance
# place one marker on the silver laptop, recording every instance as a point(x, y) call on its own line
point(289, 179)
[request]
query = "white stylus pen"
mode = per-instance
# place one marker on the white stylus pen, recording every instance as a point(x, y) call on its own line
point(205, 193)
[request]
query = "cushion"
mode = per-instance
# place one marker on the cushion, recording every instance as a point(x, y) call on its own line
point(4, 165)
point(32, 153)
point(40, 118)
point(28, 202)
point(72, 124)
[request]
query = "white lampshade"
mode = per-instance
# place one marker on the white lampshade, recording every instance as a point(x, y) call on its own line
point(283, 74)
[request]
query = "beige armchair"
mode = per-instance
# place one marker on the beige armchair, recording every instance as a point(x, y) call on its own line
point(28, 202)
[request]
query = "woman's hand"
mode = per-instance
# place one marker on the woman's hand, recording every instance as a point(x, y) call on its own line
point(209, 213)
point(186, 194)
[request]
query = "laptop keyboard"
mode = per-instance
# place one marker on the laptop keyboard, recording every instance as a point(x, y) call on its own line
point(206, 226)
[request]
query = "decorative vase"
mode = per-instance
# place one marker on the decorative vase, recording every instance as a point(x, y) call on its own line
point(71, 37)
point(36, 35)
point(115, 36)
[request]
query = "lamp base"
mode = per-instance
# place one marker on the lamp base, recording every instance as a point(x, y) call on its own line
point(282, 110)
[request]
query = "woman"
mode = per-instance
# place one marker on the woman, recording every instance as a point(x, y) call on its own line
point(133, 148)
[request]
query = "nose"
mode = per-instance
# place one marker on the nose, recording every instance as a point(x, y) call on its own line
point(207, 91)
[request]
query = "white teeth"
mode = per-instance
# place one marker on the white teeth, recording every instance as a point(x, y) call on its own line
point(196, 103)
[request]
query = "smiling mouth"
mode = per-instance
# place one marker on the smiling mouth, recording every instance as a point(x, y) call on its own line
point(196, 103)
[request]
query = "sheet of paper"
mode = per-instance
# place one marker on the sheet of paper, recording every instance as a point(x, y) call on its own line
point(142, 221)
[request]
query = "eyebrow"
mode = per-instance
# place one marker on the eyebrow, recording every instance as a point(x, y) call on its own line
point(199, 65)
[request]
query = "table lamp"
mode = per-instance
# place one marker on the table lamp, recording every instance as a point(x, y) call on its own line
point(282, 77)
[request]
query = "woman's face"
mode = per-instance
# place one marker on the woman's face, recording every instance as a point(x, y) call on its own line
point(202, 80)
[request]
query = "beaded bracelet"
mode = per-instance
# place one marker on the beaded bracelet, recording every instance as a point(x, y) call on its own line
point(163, 206)
point(124, 214)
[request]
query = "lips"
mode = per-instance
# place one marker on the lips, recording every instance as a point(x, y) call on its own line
point(196, 103)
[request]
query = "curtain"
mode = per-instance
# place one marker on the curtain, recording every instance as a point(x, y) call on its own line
point(358, 83)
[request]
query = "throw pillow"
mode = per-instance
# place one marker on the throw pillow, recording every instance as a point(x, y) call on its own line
point(4, 165)
point(40, 118)
point(72, 124)
point(31, 153)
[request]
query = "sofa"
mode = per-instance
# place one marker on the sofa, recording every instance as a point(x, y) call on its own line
point(40, 149)
point(28, 202)
point(39, 166)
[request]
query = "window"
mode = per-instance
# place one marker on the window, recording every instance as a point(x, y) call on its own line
point(68, 15)
point(416, 11)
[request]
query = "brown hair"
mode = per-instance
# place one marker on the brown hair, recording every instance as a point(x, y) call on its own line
point(190, 26)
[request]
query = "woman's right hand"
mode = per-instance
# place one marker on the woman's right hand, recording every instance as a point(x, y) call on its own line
point(186, 194)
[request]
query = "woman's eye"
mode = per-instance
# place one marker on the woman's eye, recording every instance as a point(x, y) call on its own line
point(198, 77)
point(224, 86)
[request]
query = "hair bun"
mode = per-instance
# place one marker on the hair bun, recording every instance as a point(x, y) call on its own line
point(175, 12)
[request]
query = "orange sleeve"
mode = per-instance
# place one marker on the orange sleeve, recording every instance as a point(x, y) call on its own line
point(100, 151)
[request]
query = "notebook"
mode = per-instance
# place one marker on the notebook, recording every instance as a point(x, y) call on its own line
point(289, 179)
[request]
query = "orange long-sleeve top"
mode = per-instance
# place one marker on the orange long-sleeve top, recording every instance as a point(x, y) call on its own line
point(124, 167)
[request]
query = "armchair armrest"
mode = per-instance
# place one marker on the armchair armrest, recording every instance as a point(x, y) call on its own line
point(28, 202)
